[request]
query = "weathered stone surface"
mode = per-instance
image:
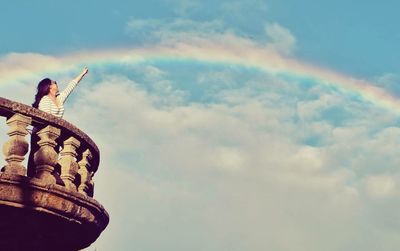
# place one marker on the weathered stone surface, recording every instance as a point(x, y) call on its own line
point(16, 147)
point(69, 167)
point(85, 177)
point(36, 216)
point(46, 158)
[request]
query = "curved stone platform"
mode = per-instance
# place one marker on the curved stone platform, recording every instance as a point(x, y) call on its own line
point(53, 208)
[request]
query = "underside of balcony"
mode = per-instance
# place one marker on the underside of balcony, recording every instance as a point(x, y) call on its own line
point(35, 216)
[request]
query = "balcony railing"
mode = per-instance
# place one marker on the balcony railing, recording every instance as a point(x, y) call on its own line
point(62, 182)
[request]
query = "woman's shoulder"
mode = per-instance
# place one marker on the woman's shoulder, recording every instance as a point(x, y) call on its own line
point(45, 100)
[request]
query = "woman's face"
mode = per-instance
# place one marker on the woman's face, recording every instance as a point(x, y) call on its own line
point(53, 88)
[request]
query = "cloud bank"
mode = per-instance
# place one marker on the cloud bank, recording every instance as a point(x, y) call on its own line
point(228, 157)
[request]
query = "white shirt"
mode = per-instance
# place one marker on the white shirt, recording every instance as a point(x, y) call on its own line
point(47, 105)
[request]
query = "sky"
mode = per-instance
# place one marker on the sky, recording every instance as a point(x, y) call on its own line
point(226, 125)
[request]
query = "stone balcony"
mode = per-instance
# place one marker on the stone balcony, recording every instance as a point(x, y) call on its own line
point(54, 209)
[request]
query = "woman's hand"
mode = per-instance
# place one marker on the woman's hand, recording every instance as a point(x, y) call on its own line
point(85, 71)
point(80, 76)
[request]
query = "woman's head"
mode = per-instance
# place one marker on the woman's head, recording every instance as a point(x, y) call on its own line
point(45, 87)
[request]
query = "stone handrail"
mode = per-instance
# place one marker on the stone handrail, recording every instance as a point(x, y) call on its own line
point(77, 162)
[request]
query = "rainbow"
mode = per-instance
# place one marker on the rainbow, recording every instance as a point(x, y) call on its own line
point(241, 53)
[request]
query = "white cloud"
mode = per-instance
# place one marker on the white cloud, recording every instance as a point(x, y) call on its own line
point(310, 109)
point(26, 63)
point(380, 186)
point(281, 39)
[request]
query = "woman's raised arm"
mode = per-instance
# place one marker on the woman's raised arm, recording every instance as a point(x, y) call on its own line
point(65, 93)
point(80, 76)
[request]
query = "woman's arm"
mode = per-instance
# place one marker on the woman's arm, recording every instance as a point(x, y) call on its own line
point(65, 93)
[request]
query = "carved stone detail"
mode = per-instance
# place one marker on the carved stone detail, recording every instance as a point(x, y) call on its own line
point(69, 166)
point(46, 158)
point(16, 147)
point(86, 177)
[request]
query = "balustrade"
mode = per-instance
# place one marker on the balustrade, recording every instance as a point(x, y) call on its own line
point(73, 167)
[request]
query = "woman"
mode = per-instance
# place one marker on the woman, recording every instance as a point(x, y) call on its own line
point(48, 99)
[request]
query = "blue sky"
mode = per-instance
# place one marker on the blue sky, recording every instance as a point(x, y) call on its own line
point(205, 145)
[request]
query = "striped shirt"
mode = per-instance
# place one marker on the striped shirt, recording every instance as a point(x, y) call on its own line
point(47, 105)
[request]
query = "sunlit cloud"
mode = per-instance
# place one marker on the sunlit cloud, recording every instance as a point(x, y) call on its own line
point(281, 38)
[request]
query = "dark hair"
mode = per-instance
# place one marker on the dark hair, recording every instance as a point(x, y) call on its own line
point(43, 89)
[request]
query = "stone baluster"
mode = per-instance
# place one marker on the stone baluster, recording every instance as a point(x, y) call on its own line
point(84, 167)
point(46, 158)
point(69, 166)
point(16, 147)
